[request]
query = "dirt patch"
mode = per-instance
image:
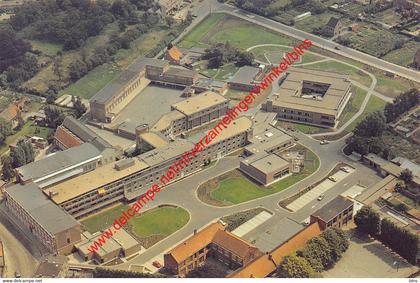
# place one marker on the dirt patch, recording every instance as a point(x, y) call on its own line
point(150, 241)
point(237, 219)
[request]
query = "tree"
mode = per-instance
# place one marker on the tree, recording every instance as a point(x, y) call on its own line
point(372, 126)
point(12, 49)
point(54, 116)
point(5, 130)
point(108, 273)
point(20, 120)
point(400, 240)
point(22, 154)
point(318, 253)
point(337, 241)
point(367, 220)
point(406, 175)
point(294, 266)
point(78, 106)
point(7, 169)
point(77, 69)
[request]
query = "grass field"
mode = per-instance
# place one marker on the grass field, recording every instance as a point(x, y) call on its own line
point(309, 24)
point(161, 221)
point(403, 56)
point(374, 104)
point(275, 53)
point(46, 48)
point(221, 28)
point(238, 189)
point(392, 87)
point(194, 38)
point(28, 129)
point(353, 105)
point(338, 67)
point(97, 78)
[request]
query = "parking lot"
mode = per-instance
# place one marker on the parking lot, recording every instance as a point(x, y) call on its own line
point(149, 105)
point(368, 258)
point(320, 189)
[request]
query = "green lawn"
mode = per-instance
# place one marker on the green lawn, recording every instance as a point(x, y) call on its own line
point(46, 48)
point(194, 37)
point(28, 129)
point(403, 56)
point(161, 221)
point(312, 22)
point(275, 53)
point(338, 67)
point(353, 105)
point(374, 104)
point(222, 28)
point(93, 81)
point(238, 189)
point(391, 87)
point(100, 76)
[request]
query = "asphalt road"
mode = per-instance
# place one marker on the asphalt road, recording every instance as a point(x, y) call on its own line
point(183, 193)
point(318, 41)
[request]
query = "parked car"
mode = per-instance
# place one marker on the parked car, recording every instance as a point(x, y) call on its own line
point(321, 197)
point(324, 142)
point(157, 264)
point(17, 275)
point(345, 169)
point(332, 178)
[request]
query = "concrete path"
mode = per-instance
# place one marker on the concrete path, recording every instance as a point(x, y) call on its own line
point(254, 222)
point(320, 189)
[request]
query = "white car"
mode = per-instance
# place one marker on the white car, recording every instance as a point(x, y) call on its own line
point(345, 169)
point(321, 197)
point(324, 142)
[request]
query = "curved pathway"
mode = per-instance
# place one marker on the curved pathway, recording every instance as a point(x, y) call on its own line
point(370, 90)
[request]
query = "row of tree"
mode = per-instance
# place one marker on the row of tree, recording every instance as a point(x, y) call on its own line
point(368, 134)
point(222, 53)
point(20, 155)
point(319, 254)
point(401, 104)
point(5, 130)
point(102, 54)
point(112, 273)
point(400, 240)
point(71, 22)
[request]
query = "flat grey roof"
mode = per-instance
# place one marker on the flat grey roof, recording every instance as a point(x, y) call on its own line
point(267, 163)
point(270, 235)
point(333, 208)
point(114, 87)
point(245, 75)
point(162, 154)
point(58, 161)
point(43, 210)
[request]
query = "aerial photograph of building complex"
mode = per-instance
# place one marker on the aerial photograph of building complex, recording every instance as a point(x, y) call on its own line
point(209, 139)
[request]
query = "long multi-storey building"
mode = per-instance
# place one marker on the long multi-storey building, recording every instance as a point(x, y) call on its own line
point(53, 227)
point(311, 97)
point(109, 101)
point(131, 178)
point(192, 113)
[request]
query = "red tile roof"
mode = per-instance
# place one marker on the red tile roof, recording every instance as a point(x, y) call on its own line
point(67, 138)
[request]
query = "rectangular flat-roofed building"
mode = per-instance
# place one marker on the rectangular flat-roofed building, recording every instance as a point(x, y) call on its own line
point(106, 104)
point(265, 168)
point(311, 97)
point(91, 192)
point(244, 78)
point(52, 226)
point(336, 213)
point(202, 108)
point(60, 166)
